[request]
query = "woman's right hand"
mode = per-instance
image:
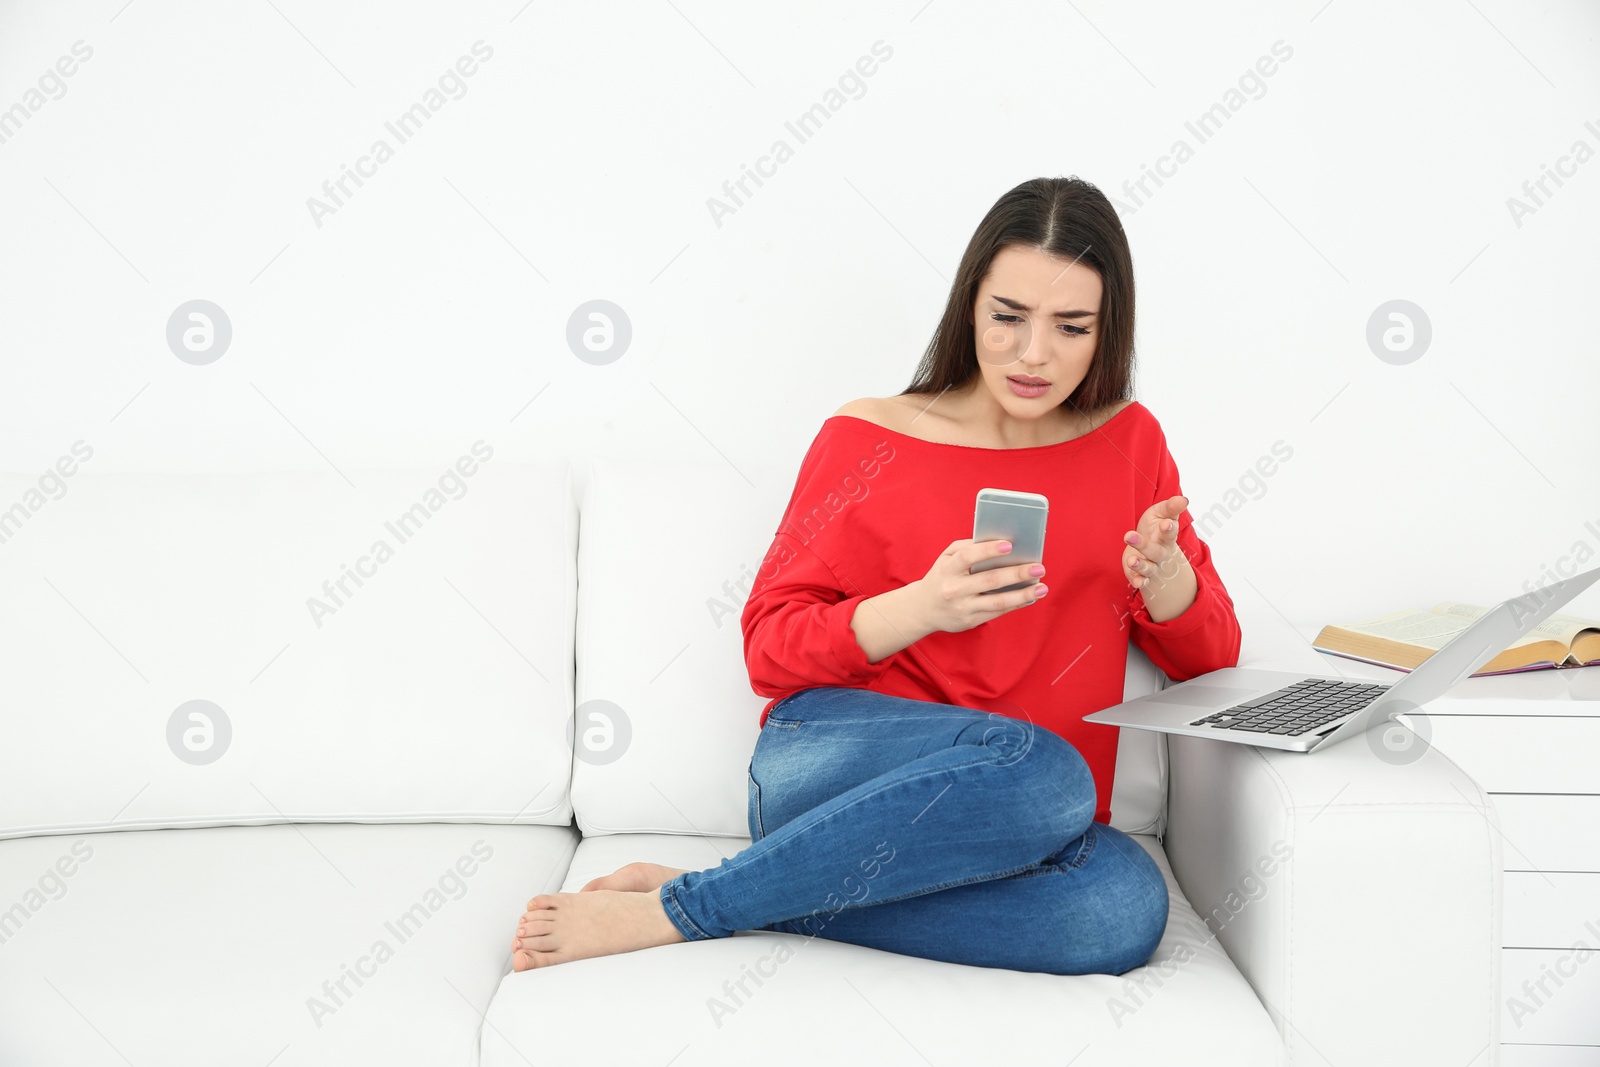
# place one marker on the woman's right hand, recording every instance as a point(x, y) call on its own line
point(951, 597)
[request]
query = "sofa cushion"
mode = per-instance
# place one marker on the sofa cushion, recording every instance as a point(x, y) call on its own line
point(804, 1000)
point(317, 944)
point(247, 648)
point(666, 718)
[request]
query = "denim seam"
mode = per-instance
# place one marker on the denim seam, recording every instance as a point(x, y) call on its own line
point(1091, 839)
point(671, 900)
point(761, 826)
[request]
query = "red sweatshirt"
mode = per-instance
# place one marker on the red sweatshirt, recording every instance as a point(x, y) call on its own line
point(873, 508)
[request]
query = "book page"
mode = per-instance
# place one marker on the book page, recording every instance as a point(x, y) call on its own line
point(1458, 610)
point(1466, 614)
point(1427, 629)
point(1563, 628)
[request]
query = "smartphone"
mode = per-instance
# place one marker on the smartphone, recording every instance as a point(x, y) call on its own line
point(1009, 515)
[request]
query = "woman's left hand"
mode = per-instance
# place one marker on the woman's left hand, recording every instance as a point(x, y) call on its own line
point(1152, 551)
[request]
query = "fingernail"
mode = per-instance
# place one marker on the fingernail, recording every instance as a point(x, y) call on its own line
point(1005, 546)
point(1040, 590)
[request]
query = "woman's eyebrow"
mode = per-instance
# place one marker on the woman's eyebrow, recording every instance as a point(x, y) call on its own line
point(1017, 305)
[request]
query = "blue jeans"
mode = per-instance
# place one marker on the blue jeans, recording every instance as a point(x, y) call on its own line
point(929, 830)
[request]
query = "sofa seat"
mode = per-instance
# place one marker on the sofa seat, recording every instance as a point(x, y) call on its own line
point(807, 1001)
point(210, 946)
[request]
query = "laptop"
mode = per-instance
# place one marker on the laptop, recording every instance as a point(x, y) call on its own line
point(1299, 713)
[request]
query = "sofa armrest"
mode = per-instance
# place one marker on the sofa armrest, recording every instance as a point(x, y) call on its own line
point(1360, 896)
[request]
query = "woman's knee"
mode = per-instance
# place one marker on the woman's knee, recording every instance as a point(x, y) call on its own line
point(1047, 766)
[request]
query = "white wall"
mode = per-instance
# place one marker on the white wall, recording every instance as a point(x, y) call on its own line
point(429, 309)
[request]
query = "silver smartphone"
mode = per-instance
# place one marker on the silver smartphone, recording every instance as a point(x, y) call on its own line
point(1009, 515)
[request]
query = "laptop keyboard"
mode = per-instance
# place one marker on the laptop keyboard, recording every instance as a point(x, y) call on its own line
point(1295, 709)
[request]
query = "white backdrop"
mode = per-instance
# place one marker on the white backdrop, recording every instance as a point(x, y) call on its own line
point(593, 152)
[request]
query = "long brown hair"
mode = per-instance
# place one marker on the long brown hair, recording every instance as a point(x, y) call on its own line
point(1065, 217)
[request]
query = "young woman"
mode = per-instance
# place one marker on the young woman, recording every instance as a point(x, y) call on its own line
point(923, 781)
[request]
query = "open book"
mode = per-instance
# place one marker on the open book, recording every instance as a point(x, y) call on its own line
point(1404, 639)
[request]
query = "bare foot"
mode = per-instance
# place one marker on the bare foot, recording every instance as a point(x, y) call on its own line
point(634, 878)
point(559, 927)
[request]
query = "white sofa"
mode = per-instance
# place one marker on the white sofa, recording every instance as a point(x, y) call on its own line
point(334, 877)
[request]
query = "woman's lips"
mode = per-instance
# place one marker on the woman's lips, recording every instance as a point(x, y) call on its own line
point(1027, 390)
